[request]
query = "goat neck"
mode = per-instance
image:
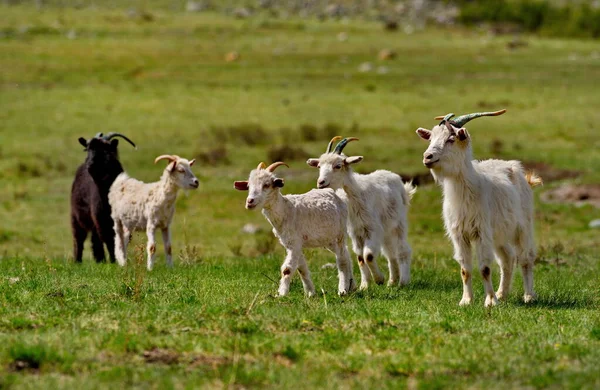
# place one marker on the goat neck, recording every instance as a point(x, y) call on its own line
point(350, 184)
point(276, 209)
point(357, 201)
point(168, 188)
point(460, 182)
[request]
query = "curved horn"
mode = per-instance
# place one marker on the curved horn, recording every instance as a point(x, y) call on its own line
point(165, 157)
point(98, 135)
point(444, 117)
point(460, 121)
point(260, 166)
point(343, 143)
point(463, 119)
point(273, 166)
point(109, 136)
point(330, 145)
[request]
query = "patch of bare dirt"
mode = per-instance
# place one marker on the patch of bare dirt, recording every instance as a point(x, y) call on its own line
point(208, 361)
point(548, 172)
point(283, 360)
point(159, 355)
point(575, 194)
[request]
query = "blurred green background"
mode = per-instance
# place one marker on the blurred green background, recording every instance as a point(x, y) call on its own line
point(232, 84)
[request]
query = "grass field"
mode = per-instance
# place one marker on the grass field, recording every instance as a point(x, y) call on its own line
point(213, 320)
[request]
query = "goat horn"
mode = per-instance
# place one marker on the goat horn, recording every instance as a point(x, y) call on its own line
point(109, 136)
point(330, 145)
point(343, 143)
point(273, 166)
point(260, 166)
point(463, 119)
point(165, 157)
point(444, 117)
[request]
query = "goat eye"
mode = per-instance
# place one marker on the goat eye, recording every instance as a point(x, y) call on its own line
point(265, 186)
point(450, 139)
point(180, 169)
point(337, 167)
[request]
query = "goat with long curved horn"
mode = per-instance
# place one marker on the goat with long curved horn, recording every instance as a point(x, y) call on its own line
point(274, 166)
point(330, 145)
point(343, 143)
point(112, 135)
point(463, 119)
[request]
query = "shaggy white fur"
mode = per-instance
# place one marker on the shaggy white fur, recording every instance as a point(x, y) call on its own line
point(316, 219)
point(486, 203)
point(148, 206)
point(377, 210)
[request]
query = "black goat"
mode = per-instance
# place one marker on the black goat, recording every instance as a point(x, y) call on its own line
point(90, 210)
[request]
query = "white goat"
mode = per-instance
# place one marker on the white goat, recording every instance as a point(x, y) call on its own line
point(377, 207)
point(316, 219)
point(486, 203)
point(147, 206)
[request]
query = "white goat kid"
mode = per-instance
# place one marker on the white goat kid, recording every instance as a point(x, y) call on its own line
point(316, 219)
point(486, 203)
point(377, 208)
point(148, 206)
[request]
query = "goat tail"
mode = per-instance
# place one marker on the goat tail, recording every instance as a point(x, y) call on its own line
point(409, 192)
point(533, 180)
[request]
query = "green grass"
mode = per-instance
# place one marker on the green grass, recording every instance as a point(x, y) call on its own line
point(218, 323)
point(213, 320)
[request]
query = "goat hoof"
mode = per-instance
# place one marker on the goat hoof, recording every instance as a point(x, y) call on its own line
point(501, 295)
point(529, 298)
point(491, 301)
point(351, 285)
point(465, 302)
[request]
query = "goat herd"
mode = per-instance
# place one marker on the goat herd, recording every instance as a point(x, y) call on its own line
point(487, 205)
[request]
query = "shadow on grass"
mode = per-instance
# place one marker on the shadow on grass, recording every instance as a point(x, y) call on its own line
point(384, 292)
point(559, 302)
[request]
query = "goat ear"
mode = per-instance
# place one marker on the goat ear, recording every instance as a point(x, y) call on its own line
point(192, 162)
point(424, 133)
point(83, 142)
point(353, 160)
point(278, 183)
point(240, 185)
point(462, 134)
point(114, 143)
point(313, 162)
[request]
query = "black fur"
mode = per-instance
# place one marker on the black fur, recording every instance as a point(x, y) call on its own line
point(90, 210)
